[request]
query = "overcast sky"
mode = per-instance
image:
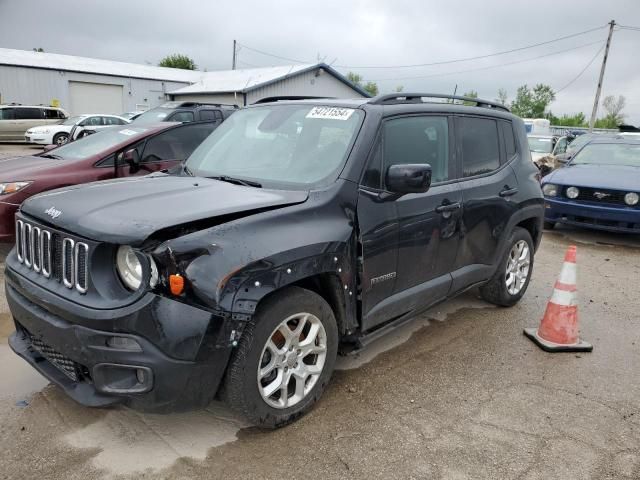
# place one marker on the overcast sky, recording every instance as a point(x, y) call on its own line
point(353, 34)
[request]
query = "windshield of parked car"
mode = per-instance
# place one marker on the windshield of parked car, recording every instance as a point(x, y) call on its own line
point(72, 120)
point(96, 143)
point(609, 154)
point(579, 142)
point(540, 144)
point(284, 146)
point(154, 115)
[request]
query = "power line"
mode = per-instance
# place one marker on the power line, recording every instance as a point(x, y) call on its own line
point(443, 74)
point(582, 71)
point(444, 62)
point(483, 56)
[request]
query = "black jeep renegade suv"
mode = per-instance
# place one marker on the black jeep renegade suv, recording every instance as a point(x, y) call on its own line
point(296, 229)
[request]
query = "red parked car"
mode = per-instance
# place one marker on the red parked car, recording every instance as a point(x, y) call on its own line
point(117, 152)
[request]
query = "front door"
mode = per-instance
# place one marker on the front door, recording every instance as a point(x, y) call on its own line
point(427, 223)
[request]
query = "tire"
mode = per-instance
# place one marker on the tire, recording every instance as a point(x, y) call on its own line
point(497, 290)
point(246, 394)
point(549, 225)
point(60, 138)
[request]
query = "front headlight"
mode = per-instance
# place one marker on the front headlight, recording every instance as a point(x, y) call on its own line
point(550, 190)
point(130, 268)
point(12, 187)
point(631, 198)
point(572, 192)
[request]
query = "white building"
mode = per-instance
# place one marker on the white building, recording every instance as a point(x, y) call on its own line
point(247, 86)
point(89, 85)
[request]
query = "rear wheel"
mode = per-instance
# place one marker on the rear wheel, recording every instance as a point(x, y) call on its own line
point(284, 359)
point(60, 138)
point(512, 278)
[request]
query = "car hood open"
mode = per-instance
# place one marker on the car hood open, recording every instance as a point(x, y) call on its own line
point(128, 211)
point(613, 177)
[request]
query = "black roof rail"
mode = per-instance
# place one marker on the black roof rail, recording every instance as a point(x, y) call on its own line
point(290, 97)
point(392, 98)
point(201, 104)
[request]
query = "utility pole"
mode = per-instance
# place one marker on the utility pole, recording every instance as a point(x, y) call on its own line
point(233, 63)
point(594, 112)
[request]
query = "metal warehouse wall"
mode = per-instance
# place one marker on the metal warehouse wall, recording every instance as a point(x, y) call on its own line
point(322, 85)
point(40, 86)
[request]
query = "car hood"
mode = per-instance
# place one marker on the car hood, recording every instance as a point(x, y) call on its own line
point(49, 128)
point(128, 211)
point(26, 168)
point(612, 177)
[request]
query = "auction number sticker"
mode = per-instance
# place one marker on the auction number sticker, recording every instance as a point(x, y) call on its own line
point(333, 113)
point(126, 131)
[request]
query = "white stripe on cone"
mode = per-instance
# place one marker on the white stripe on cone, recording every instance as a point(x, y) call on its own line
point(568, 274)
point(564, 298)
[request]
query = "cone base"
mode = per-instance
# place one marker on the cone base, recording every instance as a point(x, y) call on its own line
point(548, 346)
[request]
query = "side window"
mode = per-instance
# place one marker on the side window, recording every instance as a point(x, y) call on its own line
point(113, 121)
point(176, 144)
point(109, 162)
point(420, 139)
point(28, 114)
point(509, 139)
point(479, 145)
point(51, 114)
point(7, 113)
point(182, 117)
point(208, 115)
point(219, 115)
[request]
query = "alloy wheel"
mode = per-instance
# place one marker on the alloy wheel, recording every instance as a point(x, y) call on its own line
point(292, 360)
point(518, 264)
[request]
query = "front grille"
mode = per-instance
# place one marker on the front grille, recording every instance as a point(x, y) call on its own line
point(53, 255)
point(63, 363)
point(598, 195)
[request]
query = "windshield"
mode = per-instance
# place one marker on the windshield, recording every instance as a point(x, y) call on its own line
point(579, 142)
point(72, 120)
point(154, 115)
point(609, 154)
point(540, 144)
point(286, 145)
point(96, 143)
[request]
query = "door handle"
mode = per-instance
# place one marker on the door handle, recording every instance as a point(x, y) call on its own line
point(507, 192)
point(449, 207)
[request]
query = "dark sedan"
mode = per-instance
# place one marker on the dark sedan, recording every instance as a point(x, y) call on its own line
point(117, 152)
point(599, 188)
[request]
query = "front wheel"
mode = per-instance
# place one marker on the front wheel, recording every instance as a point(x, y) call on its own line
point(60, 138)
point(512, 278)
point(284, 360)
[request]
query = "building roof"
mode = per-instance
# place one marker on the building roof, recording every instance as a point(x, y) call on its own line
point(54, 61)
point(222, 81)
point(245, 80)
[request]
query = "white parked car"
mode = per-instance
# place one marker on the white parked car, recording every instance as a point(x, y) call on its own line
point(50, 134)
point(59, 134)
point(94, 123)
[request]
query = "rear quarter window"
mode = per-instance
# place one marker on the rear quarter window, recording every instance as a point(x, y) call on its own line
point(509, 140)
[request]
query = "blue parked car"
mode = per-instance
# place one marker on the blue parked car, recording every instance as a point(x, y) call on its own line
point(598, 188)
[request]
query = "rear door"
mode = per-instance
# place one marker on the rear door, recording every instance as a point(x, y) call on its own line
point(485, 147)
point(25, 118)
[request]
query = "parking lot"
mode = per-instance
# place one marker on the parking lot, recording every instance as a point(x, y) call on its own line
point(457, 393)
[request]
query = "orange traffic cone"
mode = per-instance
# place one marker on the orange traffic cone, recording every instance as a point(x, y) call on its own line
point(558, 331)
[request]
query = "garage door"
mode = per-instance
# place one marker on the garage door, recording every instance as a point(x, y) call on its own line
point(95, 98)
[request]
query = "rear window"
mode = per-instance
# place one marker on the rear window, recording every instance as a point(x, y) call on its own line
point(53, 114)
point(479, 144)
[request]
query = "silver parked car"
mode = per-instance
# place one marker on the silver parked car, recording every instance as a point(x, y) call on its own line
point(16, 119)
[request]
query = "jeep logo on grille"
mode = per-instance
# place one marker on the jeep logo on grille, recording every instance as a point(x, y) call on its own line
point(53, 212)
point(600, 195)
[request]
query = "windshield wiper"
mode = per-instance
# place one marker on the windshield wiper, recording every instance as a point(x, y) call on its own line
point(237, 181)
point(51, 155)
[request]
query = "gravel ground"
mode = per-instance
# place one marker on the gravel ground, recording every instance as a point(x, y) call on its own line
point(457, 393)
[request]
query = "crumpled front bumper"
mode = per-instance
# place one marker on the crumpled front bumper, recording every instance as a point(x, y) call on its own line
point(86, 365)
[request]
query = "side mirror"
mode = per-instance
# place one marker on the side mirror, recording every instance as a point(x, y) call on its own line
point(132, 158)
point(409, 178)
point(49, 147)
